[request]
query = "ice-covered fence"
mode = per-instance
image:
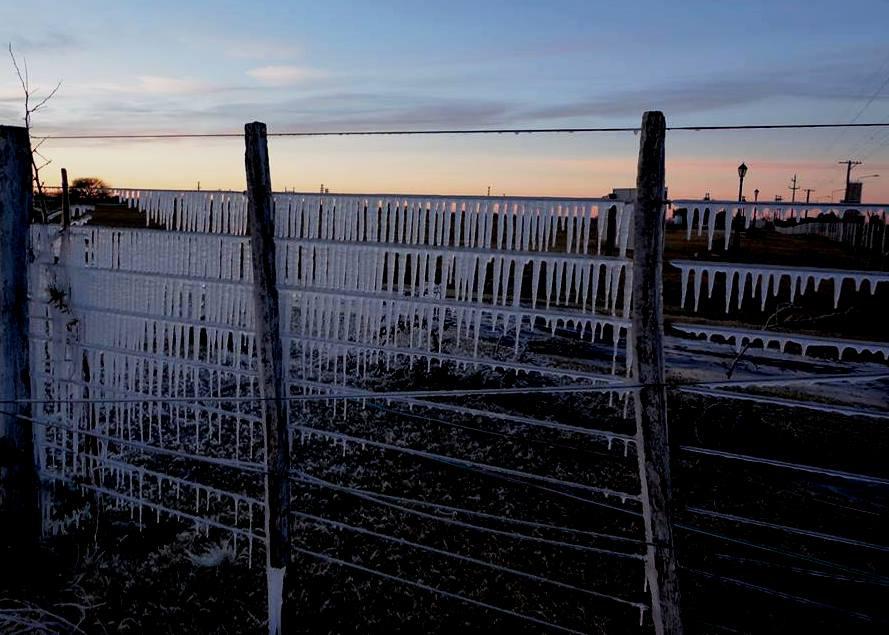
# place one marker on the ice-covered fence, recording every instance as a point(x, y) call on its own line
point(429, 220)
point(479, 264)
point(740, 281)
point(159, 322)
point(132, 357)
point(764, 281)
point(742, 337)
point(866, 232)
point(702, 215)
point(743, 284)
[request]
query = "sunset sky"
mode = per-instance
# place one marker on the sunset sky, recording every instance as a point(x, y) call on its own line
point(212, 66)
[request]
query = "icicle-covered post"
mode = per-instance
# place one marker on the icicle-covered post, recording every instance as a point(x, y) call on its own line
point(19, 519)
point(260, 222)
point(651, 399)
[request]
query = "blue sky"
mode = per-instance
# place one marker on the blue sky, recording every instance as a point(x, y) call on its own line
point(211, 66)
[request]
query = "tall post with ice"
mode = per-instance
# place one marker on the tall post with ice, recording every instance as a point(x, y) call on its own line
point(260, 223)
point(18, 483)
point(651, 398)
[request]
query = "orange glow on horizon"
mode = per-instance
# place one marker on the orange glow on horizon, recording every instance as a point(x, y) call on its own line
point(441, 167)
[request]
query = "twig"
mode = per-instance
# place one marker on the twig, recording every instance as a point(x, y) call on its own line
point(768, 324)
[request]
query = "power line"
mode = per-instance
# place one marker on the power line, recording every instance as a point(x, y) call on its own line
point(468, 131)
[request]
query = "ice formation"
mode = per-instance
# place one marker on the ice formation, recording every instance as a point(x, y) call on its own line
point(779, 341)
point(435, 221)
point(702, 215)
point(146, 337)
point(765, 280)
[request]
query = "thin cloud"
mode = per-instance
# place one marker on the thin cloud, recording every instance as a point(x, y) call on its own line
point(262, 50)
point(156, 85)
point(161, 85)
point(283, 75)
point(51, 41)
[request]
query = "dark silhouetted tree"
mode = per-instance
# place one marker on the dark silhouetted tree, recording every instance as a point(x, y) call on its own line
point(88, 188)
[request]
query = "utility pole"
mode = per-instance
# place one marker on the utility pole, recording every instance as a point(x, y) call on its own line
point(793, 188)
point(849, 163)
point(808, 192)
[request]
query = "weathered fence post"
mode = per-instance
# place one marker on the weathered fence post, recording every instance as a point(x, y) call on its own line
point(18, 482)
point(260, 219)
point(66, 201)
point(651, 399)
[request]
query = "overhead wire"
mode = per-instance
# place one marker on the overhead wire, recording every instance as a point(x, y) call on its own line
point(465, 131)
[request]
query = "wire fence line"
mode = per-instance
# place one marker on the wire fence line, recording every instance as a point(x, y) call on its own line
point(476, 131)
point(365, 278)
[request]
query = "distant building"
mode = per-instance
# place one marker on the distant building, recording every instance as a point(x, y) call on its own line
point(625, 194)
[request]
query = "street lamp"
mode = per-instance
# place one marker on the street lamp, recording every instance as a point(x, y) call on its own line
point(742, 172)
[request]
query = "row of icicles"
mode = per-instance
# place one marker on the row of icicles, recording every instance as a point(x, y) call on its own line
point(463, 222)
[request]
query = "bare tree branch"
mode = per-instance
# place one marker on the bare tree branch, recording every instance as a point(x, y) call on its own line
point(47, 98)
point(29, 93)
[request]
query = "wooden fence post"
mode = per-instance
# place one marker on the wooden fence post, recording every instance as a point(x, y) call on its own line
point(66, 201)
point(19, 519)
point(651, 399)
point(260, 219)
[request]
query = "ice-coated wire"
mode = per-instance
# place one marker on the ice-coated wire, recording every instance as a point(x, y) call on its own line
point(457, 523)
point(818, 535)
point(158, 475)
point(494, 517)
point(394, 395)
point(146, 447)
point(475, 561)
point(200, 520)
point(464, 463)
point(798, 467)
point(847, 411)
point(878, 579)
point(425, 587)
point(784, 595)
